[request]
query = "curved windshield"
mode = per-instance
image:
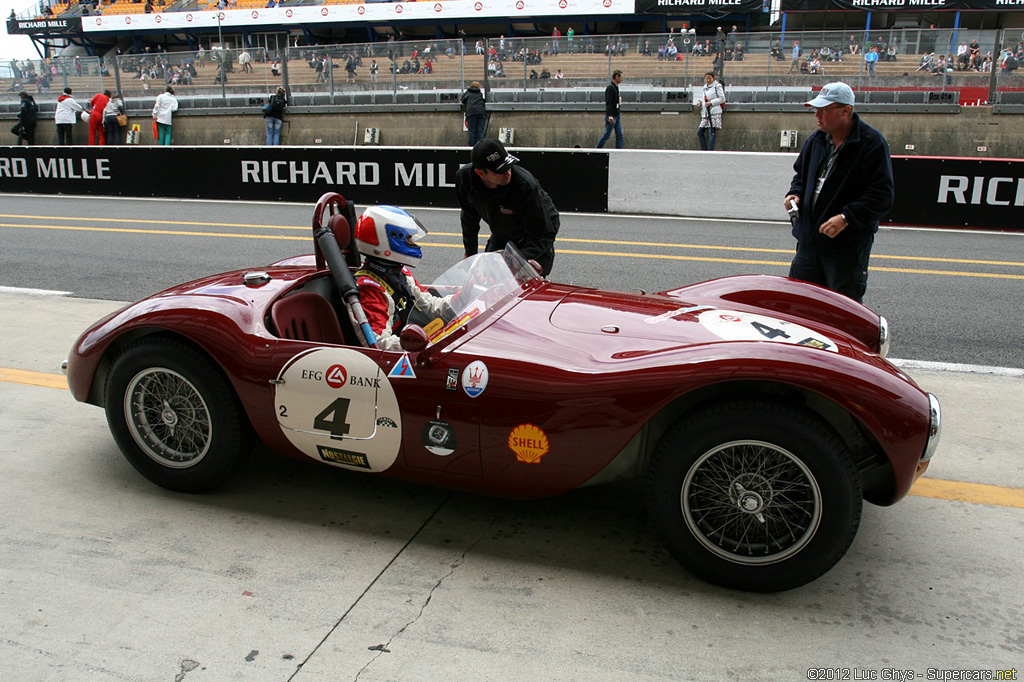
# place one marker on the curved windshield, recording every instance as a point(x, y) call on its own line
point(479, 284)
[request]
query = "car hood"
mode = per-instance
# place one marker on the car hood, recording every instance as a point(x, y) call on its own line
point(678, 321)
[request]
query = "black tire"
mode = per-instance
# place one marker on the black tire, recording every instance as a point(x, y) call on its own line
point(754, 495)
point(175, 417)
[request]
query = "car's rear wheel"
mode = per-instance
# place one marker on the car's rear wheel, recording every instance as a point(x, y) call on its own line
point(175, 416)
point(754, 495)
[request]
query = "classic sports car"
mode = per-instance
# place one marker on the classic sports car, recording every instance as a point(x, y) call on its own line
point(760, 409)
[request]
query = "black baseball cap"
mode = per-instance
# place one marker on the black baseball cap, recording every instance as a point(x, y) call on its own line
point(491, 155)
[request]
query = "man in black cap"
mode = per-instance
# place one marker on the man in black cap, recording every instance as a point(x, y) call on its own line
point(510, 200)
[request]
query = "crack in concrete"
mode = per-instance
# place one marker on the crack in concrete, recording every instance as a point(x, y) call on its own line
point(385, 647)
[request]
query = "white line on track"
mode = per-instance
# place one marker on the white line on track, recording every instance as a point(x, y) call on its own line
point(957, 367)
point(33, 292)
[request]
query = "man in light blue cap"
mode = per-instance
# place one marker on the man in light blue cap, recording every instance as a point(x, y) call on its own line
point(842, 187)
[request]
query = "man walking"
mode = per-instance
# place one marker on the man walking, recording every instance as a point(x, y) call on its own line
point(795, 64)
point(509, 198)
point(842, 187)
point(613, 112)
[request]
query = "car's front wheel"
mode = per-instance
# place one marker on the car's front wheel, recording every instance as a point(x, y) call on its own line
point(754, 495)
point(175, 416)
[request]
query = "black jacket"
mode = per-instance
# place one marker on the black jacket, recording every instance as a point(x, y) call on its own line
point(521, 212)
point(29, 112)
point(612, 101)
point(860, 185)
point(277, 105)
point(474, 102)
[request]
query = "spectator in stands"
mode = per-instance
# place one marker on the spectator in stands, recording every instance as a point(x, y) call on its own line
point(843, 187)
point(710, 112)
point(428, 66)
point(245, 61)
point(510, 200)
point(163, 110)
point(275, 68)
point(795, 64)
point(569, 34)
point(28, 115)
point(558, 75)
point(854, 46)
point(65, 116)
point(927, 63)
point(870, 59)
point(613, 112)
point(114, 108)
point(97, 105)
point(815, 66)
point(273, 116)
point(350, 67)
point(545, 74)
point(201, 57)
point(474, 105)
point(374, 70)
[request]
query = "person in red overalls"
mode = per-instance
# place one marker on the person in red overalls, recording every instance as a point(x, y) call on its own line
point(97, 134)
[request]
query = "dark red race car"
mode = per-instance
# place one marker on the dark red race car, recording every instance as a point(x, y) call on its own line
point(760, 410)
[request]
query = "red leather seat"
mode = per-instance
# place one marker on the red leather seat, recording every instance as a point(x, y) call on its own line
point(306, 316)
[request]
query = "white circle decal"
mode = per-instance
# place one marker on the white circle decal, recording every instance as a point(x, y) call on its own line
point(336, 406)
point(474, 378)
point(736, 326)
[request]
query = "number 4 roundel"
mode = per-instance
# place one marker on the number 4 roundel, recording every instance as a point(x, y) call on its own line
point(731, 325)
point(336, 406)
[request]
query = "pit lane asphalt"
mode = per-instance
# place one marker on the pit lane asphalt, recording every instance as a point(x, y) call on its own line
point(301, 572)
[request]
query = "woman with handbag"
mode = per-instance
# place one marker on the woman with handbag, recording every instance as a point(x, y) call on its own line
point(711, 107)
point(166, 105)
point(113, 114)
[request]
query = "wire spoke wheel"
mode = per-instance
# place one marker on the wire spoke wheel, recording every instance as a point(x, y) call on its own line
point(751, 502)
point(754, 494)
point(168, 417)
point(175, 415)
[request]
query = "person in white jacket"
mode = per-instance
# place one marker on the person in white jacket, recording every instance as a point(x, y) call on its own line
point(710, 112)
point(65, 117)
point(166, 105)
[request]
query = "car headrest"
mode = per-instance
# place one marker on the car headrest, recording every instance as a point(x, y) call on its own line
point(339, 226)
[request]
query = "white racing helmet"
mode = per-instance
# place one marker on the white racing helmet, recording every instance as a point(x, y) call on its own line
point(389, 233)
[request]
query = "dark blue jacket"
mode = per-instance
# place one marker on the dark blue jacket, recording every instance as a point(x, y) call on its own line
point(860, 185)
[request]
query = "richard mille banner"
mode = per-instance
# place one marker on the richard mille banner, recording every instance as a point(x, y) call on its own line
point(902, 5)
point(983, 193)
point(384, 175)
point(50, 25)
point(698, 6)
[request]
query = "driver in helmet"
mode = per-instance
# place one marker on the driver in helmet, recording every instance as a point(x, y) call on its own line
point(388, 292)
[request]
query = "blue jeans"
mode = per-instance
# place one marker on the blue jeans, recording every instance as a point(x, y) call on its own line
point(839, 265)
point(706, 137)
point(477, 124)
point(273, 129)
point(608, 128)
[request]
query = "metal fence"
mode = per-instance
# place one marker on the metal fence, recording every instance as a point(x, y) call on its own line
point(907, 59)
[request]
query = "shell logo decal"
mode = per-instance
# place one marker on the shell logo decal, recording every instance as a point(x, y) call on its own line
point(529, 443)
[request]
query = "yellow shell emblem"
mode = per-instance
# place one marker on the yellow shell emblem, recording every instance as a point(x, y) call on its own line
point(529, 443)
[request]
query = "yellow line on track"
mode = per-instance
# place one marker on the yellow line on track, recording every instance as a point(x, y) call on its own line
point(976, 493)
point(617, 254)
point(22, 376)
point(615, 242)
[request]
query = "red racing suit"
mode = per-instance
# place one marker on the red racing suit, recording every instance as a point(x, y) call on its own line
point(389, 293)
